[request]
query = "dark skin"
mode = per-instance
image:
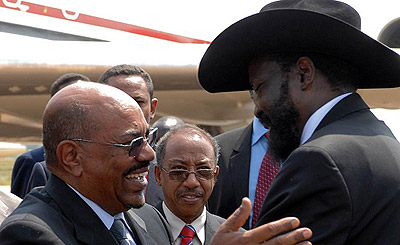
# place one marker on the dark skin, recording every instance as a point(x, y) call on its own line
point(270, 233)
point(104, 174)
point(136, 87)
point(308, 87)
point(113, 192)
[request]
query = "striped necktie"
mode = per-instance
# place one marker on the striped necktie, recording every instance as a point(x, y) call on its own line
point(187, 234)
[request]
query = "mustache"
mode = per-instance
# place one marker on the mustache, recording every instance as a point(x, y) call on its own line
point(136, 167)
point(187, 191)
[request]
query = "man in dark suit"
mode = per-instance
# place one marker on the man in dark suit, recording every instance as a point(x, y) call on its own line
point(134, 81)
point(304, 59)
point(95, 194)
point(94, 184)
point(242, 151)
point(182, 149)
point(23, 165)
point(22, 170)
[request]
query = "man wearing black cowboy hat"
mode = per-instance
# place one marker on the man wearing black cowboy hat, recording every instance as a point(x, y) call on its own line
point(304, 59)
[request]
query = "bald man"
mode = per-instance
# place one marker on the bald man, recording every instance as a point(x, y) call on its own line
point(98, 168)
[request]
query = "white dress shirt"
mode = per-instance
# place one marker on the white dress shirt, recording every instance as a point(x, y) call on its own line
point(176, 226)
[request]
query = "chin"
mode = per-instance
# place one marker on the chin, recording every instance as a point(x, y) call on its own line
point(135, 202)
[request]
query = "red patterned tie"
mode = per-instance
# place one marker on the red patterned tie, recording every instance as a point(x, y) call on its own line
point(269, 168)
point(187, 235)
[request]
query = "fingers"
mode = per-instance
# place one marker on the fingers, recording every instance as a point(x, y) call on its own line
point(269, 230)
point(239, 217)
point(293, 237)
point(265, 234)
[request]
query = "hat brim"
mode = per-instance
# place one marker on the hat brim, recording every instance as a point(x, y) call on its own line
point(224, 66)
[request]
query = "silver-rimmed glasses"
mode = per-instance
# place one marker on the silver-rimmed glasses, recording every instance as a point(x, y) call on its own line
point(135, 145)
point(183, 174)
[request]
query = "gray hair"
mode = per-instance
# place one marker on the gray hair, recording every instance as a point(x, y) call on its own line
point(68, 122)
point(160, 146)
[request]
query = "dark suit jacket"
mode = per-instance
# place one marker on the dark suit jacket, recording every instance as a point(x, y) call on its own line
point(22, 170)
point(154, 192)
point(39, 176)
point(344, 182)
point(57, 215)
point(233, 178)
point(212, 223)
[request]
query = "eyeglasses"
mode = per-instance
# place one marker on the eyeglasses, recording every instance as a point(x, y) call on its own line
point(136, 144)
point(183, 174)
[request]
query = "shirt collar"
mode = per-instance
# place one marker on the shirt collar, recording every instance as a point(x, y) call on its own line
point(258, 131)
point(176, 224)
point(313, 122)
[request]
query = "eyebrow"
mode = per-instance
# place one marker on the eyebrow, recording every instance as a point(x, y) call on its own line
point(201, 162)
point(135, 133)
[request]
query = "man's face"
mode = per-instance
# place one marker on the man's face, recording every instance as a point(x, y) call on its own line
point(136, 87)
point(111, 177)
point(275, 107)
point(190, 151)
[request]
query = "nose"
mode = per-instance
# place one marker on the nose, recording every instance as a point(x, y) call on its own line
point(257, 111)
point(191, 181)
point(146, 153)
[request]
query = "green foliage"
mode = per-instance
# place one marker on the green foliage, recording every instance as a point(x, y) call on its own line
point(6, 165)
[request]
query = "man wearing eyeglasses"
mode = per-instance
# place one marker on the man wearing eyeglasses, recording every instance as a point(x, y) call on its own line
point(98, 149)
point(186, 170)
point(95, 190)
point(138, 84)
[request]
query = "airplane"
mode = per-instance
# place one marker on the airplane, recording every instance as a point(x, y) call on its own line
point(41, 40)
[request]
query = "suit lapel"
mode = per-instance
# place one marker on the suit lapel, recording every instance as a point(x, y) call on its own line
point(90, 229)
point(160, 209)
point(211, 227)
point(138, 227)
point(239, 164)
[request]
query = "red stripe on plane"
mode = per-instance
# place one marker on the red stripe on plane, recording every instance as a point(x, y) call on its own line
point(97, 21)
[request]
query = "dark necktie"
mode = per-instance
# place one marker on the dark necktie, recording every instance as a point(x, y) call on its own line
point(187, 234)
point(269, 168)
point(118, 231)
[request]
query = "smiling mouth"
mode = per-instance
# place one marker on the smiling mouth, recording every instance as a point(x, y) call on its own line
point(191, 196)
point(138, 176)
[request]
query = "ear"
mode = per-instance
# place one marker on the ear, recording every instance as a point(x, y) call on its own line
point(153, 106)
point(157, 174)
point(216, 173)
point(305, 67)
point(68, 155)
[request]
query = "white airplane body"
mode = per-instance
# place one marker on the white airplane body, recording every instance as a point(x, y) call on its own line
point(39, 41)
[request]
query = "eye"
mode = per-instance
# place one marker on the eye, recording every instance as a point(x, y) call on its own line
point(203, 168)
point(127, 143)
point(258, 87)
point(179, 167)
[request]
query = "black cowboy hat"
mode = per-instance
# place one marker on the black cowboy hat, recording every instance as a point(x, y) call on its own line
point(312, 26)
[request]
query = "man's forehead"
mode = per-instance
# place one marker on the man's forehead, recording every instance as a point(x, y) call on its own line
point(137, 131)
point(126, 80)
point(189, 136)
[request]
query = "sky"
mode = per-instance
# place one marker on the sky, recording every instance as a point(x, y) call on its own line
point(207, 18)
